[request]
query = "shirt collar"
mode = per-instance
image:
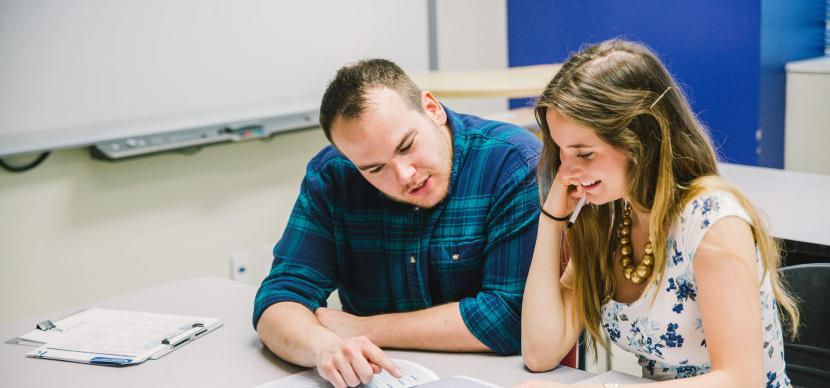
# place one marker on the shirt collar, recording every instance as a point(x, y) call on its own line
point(459, 146)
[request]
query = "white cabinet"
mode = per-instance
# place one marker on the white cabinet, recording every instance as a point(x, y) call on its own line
point(807, 127)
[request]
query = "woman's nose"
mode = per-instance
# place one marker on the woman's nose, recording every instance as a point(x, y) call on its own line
point(571, 169)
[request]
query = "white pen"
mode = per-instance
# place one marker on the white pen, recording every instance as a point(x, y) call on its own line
point(579, 206)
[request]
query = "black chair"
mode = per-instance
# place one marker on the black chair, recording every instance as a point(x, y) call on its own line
point(808, 356)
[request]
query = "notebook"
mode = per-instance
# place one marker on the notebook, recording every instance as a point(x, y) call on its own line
point(115, 337)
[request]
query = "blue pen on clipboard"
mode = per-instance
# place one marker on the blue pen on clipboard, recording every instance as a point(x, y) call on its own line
point(100, 360)
point(96, 360)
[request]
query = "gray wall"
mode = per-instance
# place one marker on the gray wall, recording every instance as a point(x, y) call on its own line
point(75, 230)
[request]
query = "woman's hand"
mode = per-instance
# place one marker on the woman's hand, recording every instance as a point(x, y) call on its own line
point(563, 195)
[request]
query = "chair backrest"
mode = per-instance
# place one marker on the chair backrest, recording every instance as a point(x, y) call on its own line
point(808, 356)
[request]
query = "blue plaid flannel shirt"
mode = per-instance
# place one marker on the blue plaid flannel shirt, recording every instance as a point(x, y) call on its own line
point(383, 256)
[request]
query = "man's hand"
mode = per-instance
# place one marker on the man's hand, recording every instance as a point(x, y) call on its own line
point(352, 361)
point(344, 324)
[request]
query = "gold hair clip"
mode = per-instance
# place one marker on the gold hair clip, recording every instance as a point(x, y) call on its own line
point(659, 98)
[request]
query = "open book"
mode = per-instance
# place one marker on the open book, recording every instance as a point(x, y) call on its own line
point(613, 376)
point(414, 375)
point(417, 375)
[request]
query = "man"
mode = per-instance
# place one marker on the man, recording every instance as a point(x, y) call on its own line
point(423, 219)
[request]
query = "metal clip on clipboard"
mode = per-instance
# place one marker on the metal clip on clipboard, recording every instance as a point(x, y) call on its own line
point(186, 335)
point(181, 338)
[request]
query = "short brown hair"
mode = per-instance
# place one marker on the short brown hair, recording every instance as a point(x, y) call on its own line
point(346, 94)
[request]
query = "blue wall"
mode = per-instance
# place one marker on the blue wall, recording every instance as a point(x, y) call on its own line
point(790, 30)
point(728, 55)
point(710, 46)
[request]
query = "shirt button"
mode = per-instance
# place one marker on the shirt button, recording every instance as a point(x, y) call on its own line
point(455, 256)
point(415, 209)
point(412, 259)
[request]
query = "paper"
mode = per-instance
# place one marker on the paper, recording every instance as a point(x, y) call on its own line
point(417, 375)
point(613, 376)
point(414, 374)
point(116, 337)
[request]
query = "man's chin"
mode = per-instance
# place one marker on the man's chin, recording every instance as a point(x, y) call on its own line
point(421, 203)
point(427, 201)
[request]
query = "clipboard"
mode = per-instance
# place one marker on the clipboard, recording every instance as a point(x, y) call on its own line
point(115, 337)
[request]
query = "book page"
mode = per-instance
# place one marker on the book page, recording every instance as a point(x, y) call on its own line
point(414, 374)
point(613, 376)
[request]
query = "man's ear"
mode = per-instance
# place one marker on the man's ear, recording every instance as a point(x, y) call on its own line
point(433, 109)
point(334, 124)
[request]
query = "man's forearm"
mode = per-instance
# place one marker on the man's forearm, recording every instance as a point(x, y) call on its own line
point(293, 333)
point(436, 328)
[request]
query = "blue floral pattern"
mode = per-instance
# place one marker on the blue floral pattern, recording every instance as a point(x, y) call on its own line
point(642, 336)
point(705, 206)
point(677, 257)
point(664, 328)
point(684, 289)
point(611, 322)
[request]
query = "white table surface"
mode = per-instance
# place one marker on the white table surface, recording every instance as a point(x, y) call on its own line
point(231, 356)
point(511, 82)
point(795, 204)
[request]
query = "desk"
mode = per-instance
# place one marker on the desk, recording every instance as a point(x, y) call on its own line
point(512, 82)
point(794, 203)
point(231, 356)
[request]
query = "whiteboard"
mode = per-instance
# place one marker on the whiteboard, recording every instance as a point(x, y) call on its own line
point(75, 72)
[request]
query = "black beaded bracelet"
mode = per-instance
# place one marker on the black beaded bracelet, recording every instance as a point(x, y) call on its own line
point(555, 218)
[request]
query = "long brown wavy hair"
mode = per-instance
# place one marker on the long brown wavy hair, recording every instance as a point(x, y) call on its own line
point(615, 88)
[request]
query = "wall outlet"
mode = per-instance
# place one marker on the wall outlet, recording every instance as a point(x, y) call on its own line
point(252, 265)
point(241, 267)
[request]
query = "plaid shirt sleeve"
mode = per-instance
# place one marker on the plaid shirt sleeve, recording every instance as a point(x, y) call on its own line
point(494, 314)
point(305, 269)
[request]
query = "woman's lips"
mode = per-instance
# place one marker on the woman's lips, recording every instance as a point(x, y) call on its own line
point(591, 186)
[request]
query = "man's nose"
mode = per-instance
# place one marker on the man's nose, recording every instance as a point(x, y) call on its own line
point(405, 171)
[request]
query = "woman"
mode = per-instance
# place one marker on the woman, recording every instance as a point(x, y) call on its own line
point(668, 260)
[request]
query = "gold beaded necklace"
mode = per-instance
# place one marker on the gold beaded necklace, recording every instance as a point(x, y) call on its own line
point(643, 270)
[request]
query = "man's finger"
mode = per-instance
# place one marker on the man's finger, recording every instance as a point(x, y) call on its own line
point(332, 376)
point(362, 368)
point(377, 356)
point(375, 367)
point(346, 371)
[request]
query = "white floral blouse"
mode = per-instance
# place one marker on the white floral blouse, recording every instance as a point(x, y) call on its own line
point(667, 336)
